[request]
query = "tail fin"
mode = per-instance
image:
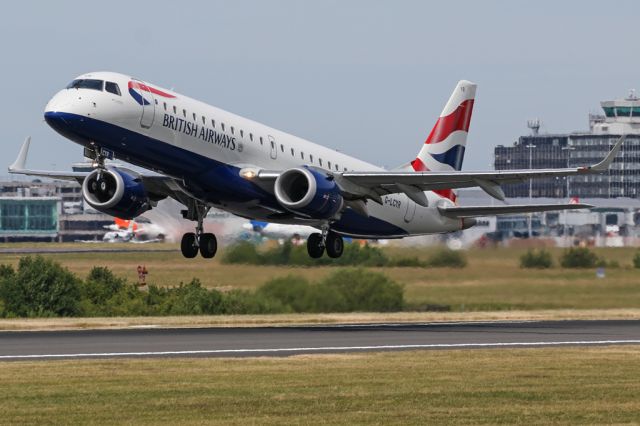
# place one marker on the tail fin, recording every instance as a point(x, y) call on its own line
point(444, 148)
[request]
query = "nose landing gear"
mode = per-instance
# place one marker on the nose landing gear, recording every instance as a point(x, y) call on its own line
point(192, 243)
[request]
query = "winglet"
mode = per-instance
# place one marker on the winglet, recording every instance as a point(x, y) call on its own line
point(606, 162)
point(20, 162)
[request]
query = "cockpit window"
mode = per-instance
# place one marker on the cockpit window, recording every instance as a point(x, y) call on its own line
point(112, 87)
point(86, 83)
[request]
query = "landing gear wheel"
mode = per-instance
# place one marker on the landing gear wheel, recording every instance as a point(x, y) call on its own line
point(334, 245)
point(208, 245)
point(315, 248)
point(188, 245)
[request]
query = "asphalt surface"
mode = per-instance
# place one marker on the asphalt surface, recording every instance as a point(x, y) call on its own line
point(283, 341)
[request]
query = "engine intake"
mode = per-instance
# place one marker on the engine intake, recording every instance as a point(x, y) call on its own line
point(308, 192)
point(115, 192)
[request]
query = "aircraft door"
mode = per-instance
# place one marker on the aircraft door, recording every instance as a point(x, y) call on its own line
point(411, 210)
point(148, 104)
point(273, 147)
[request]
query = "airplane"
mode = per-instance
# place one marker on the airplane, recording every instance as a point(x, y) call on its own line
point(278, 231)
point(123, 230)
point(205, 157)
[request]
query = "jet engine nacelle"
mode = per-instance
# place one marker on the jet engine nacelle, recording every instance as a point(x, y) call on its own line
point(309, 192)
point(115, 192)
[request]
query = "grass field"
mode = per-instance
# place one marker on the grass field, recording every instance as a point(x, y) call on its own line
point(492, 280)
point(527, 386)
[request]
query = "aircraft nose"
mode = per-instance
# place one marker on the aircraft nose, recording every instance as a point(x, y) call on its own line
point(60, 102)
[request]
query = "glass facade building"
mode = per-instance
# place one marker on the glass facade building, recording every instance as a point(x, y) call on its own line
point(541, 151)
point(29, 216)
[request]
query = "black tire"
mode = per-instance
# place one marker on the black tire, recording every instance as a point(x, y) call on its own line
point(334, 245)
point(315, 248)
point(188, 245)
point(208, 245)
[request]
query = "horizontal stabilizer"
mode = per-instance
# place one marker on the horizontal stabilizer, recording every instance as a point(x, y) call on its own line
point(479, 211)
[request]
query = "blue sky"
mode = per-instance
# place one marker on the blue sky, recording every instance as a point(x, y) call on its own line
point(366, 77)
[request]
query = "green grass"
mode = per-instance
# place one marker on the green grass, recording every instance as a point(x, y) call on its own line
point(527, 386)
point(492, 279)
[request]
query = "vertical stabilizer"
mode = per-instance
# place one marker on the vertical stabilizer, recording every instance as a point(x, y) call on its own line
point(444, 148)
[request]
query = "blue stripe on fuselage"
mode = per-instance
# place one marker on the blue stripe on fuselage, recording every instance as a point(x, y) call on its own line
point(209, 179)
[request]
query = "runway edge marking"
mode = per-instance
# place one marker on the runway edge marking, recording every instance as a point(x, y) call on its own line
point(320, 349)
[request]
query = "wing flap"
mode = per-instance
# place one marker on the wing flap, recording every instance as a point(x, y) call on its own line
point(480, 211)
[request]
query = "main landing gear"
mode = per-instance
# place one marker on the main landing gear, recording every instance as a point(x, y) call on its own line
point(192, 243)
point(317, 243)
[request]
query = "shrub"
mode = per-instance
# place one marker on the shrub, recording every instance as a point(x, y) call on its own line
point(243, 252)
point(345, 290)
point(636, 260)
point(40, 288)
point(540, 259)
point(365, 290)
point(192, 299)
point(291, 291)
point(447, 258)
point(408, 262)
point(101, 285)
point(578, 257)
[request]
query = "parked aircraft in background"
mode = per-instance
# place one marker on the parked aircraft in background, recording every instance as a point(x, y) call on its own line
point(123, 230)
point(277, 231)
point(205, 157)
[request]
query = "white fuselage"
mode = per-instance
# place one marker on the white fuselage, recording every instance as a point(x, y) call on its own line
point(205, 147)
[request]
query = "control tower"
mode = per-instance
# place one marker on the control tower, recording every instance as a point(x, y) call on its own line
point(621, 116)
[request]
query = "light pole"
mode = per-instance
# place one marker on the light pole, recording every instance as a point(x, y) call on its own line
point(567, 148)
point(530, 146)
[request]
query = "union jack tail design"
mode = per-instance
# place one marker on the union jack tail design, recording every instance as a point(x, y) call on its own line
point(444, 148)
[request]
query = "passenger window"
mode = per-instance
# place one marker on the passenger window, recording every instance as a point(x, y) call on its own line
point(251, 137)
point(242, 133)
point(175, 110)
point(194, 116)
point(184, 113)
point(320, 161)
point(273, 144)
point(213, 123)
point(260, 140)
point(311, 157)
point(156, 101)
point(112, 88)
point(345, 169)
point(292, 153)
point(337, 167)
point(231, 129)
point(329, 165)
point(165, 105)
point(204, 120)
point(302, 155)
point(222, 125)
point(281, 147)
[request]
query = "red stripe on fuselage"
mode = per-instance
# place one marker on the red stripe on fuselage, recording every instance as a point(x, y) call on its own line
point(419, 166)
point(457, 120)
point(142, 86)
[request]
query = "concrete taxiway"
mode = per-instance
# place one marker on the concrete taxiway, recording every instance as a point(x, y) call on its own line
point(148, 341)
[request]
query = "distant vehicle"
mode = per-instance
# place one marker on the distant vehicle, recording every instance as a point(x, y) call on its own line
point(277, 231)
point(205, 157)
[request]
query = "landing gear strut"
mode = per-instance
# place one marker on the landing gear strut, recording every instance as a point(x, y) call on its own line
point(192, 243)
point(317, 243)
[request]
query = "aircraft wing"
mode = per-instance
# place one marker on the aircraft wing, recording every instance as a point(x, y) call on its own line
point(479, 211)
point(413, 183)
point(159, 185)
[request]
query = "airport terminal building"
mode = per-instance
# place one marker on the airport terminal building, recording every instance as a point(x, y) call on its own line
point(538, 151)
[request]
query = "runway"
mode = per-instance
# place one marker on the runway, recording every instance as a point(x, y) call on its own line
point(284, 341)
